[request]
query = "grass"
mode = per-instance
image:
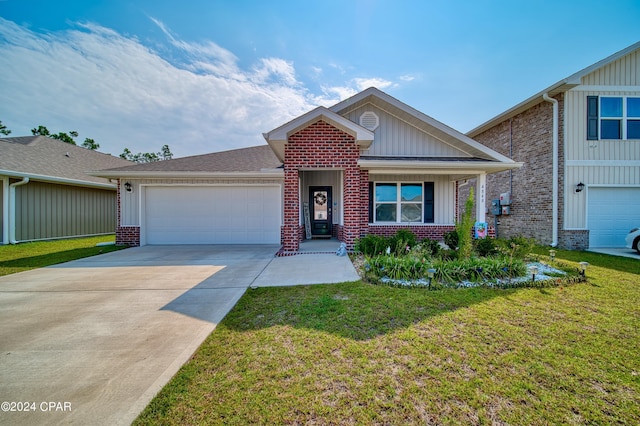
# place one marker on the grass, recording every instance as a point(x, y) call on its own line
point(26, 256)
point(356, 353)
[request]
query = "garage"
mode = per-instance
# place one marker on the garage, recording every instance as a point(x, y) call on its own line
point(229, 214)
point(611, 214)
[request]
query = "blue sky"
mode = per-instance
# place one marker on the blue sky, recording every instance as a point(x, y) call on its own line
point(204, 76)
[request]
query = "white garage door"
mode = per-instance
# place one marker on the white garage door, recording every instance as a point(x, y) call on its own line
point(212, 215)
point(611, 214)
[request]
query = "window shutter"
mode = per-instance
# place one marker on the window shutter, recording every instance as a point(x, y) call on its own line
point(370, 202)
point(428, 207)
point(592, 118)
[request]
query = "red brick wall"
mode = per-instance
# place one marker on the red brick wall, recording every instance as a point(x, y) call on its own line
point(125, 235)
point(321, 146)
point(528, 138)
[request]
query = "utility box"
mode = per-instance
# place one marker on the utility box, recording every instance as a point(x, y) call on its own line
point(495, 208)
point(506, 210)
point(505, 198)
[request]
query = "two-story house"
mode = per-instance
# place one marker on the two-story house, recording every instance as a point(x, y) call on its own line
point(579, 141)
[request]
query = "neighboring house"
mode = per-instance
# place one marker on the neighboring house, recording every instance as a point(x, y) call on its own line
point(45, 192)
point(369, 164)
point(579, 140)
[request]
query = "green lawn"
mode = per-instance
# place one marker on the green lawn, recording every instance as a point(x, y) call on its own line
point(355, 353)
point(25, 256)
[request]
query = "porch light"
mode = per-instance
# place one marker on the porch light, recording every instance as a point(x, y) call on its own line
point(534, 271)
point(127, 186)
point(579, 187)
point(430, 274)
point(552, 255)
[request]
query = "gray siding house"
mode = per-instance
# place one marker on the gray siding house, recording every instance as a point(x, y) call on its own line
point(45, 192)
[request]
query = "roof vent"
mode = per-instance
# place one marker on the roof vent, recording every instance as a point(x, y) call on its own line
point(369, 120)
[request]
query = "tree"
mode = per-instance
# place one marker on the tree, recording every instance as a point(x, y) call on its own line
point(4, 130)
point(147, 157)
point(90, 144)
point(65, 137)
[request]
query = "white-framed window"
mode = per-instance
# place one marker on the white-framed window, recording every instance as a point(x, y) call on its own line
point(613, 117)
point(398, 202)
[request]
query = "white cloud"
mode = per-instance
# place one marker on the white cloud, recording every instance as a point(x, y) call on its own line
point(365, 83)
point(193, 96)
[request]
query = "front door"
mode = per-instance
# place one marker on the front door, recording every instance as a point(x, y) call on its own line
point(320, 202)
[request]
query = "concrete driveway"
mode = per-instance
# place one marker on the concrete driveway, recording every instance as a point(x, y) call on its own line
point(92, 341)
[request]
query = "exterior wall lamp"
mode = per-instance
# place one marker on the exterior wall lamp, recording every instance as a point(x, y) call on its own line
point(579, 187)
point(127, 186)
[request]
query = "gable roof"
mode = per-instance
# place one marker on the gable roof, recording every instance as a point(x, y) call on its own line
point(277, 138)
point(50, 160)
point(421, 121)
point(559, 87)
point(253, 160)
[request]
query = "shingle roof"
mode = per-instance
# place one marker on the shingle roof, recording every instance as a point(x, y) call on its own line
point(50, 158)
point(253, 159)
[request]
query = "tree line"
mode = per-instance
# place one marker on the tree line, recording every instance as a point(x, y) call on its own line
point(88, 143)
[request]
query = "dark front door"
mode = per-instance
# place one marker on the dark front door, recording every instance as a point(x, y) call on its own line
point(320, 212)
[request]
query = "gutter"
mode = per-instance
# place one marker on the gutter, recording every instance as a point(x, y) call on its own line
point(66, 181)
point(554, 213)
point(12, 208)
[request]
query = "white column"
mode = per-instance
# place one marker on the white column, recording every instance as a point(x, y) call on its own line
point(481, 195)
point(5, 210)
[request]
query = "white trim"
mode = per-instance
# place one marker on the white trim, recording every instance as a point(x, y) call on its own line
point(398, 203)
point(266, 173)
point(435, 167)
point(603, 88)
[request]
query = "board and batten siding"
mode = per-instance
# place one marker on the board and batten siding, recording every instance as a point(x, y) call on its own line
point(395, 137)
point(130, 201)
point(625, 71)
point(597, 162)
point(47, 211)
point(444, 193)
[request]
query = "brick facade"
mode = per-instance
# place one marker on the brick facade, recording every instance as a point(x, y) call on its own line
point(528, 138)
point(322, 146)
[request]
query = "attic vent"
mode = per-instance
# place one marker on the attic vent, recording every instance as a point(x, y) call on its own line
point(369, 120)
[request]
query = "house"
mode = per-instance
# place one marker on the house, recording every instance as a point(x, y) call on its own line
point(369, 164)
point(579, 140)
point(46, 193)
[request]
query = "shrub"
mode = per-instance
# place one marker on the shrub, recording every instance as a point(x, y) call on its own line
point(371, 245)
point(518, 247)
point(486, 247)
point(401, 240)
point(430, 247)
point(451, 239)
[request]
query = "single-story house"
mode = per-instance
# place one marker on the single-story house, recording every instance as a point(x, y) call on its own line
point(369, 164)
point(46, 193)
point(579, 140)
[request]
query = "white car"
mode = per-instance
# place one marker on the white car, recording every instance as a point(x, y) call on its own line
point(633, 239)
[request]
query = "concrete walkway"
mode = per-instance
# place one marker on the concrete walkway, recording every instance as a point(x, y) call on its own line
point(93, 340)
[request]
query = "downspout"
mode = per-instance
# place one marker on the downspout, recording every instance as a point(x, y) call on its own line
point(12, 208)
point(5, 210)
point(554, 213)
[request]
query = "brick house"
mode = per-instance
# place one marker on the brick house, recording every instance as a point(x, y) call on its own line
point(579, 140)
point(369, 164)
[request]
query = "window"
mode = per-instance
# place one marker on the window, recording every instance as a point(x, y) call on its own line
point(611, 117)
point(399, 202)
